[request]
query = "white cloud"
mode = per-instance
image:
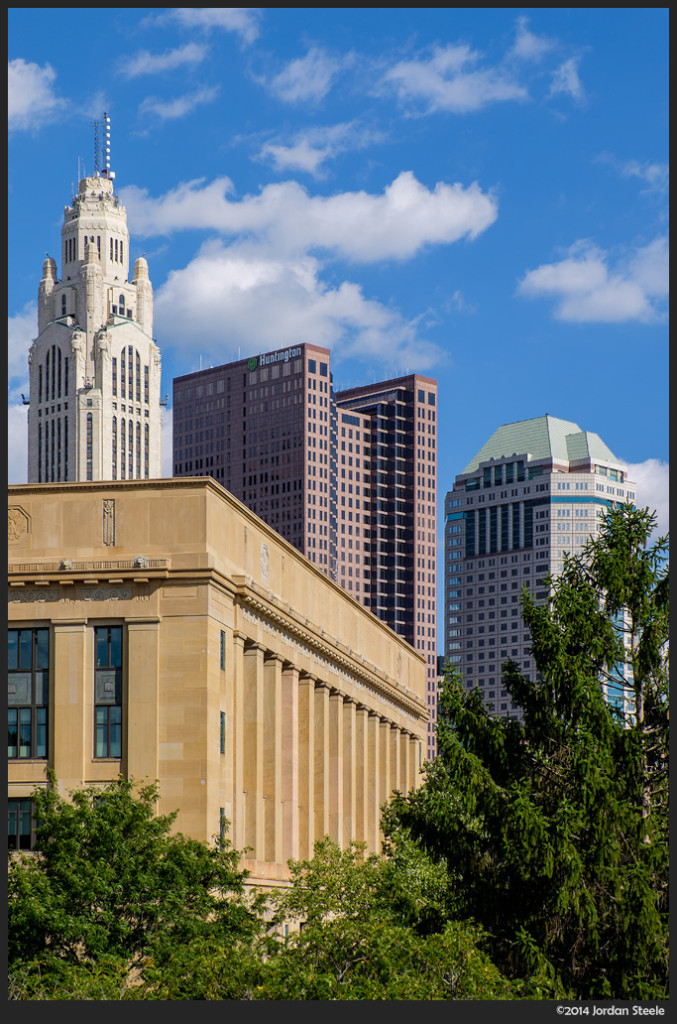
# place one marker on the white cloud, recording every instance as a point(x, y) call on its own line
point(587, 291)
point(653, 489)
point(449, 81)
point(21, 330)
point(145, 63)
point(30, 94)
point(307, 78)
point(527, 46)
point(566, 80)
point(656, 176)
point(242, 20)
point(241, 297)
point(364, 227)
point(17, 444)
point(309, 150)
point(172, 110)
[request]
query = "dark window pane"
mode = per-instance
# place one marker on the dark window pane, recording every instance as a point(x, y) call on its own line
point(41, 733)
point(12, 732)
point(26, 651)
point(42, 648)
point(101, 744)
point(115, 732)
point(13, 648)
point(24, 732)
point(101, 634)
point(116, 647)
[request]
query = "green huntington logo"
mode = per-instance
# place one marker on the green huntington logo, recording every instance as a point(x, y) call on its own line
point(253, 363)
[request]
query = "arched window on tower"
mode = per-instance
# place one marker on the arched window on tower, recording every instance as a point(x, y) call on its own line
point(121, 306)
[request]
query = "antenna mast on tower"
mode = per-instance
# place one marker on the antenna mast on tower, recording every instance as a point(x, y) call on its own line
point(96, 125)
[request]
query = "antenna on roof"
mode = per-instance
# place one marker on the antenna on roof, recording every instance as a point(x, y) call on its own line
point(96, 125)
point(106, 144)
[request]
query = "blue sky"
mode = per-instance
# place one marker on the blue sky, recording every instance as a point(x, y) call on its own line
point(479, 195)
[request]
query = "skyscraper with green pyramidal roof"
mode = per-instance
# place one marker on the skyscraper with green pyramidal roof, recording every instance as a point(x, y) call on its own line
point(536, 489)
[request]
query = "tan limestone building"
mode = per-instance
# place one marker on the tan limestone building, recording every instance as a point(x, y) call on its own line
point(159, 629)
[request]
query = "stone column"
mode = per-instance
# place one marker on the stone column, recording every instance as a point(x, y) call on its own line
point(414, 759)
point(349, 818)
point(362, 782)
point(395, 762)
point(71, 732)
point(321, 815)
point(272, 758)
point(405, 761)
point(385, 774)
point(253, 750)
point(237, 713)
point(335, 765)
point(142, 697)
point(306, 768)
point(374, 782)
point(291, 756)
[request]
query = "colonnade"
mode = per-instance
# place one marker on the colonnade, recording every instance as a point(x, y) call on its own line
point(309, 760)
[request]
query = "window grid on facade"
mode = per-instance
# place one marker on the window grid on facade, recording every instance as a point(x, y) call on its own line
point(28, 692)
point(108, 691)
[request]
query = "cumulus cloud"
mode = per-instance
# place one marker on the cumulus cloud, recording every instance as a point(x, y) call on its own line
point(393, 225)
point(308, 151)
point(566, 80)
point(586, 290)
point(450, 80)
point(30, 94)
point(241, 297)
point(653, 489)
point(21, 330)
point(307, 78)
point(145, 63)
point(244, 21)
point(528, 46)
point(172, 110)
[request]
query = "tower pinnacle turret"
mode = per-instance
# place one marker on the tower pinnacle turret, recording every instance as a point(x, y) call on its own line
point(94, 367)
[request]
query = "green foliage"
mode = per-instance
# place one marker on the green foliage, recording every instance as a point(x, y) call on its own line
point(109, 885)
point(554, 830)
point(355, 941)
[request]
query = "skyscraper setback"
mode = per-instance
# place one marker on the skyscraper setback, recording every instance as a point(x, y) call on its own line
point(349, 478)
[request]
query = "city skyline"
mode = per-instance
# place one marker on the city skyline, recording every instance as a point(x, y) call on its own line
point(480, 200)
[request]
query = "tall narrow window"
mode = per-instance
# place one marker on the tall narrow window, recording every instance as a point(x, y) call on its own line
point(223, 649)
point(28, 692)
point(39, 453)
point(138, 377)
point(65, 377)
point(138, 450)
point(146, 451)
point(63, 305)
point(58, 448)
point(131, 449)
point(222, 733)
point(54, 363)
point(65, 448)
point(123, 373)
point(114, 453)
point(145, 384)
point(111, 250)
point(19, 824)
point(121, 245)
point(108, 691)
point(58, 364)
point(116, 250)
point(115, 377)
point(40, 382)
point(123, 450)
point(130, 373)
point(90, 443)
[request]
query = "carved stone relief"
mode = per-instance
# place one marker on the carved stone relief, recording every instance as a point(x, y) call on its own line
point(18, 524)
point(109, 521)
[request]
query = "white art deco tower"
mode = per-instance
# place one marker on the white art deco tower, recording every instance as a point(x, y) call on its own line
point(95, 409)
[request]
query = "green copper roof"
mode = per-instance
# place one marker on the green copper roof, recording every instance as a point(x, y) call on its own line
point(545, 437)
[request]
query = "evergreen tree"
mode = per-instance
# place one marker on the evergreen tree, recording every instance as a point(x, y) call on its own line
point(554, 829)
